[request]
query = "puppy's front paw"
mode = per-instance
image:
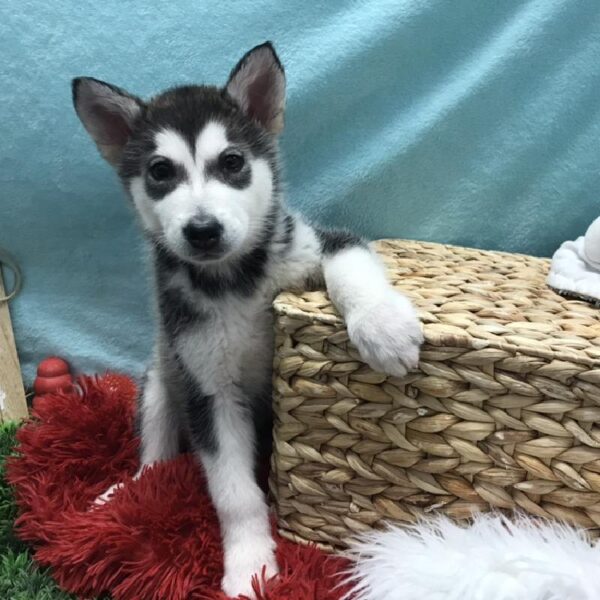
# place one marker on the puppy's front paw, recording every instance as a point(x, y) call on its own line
point(387, 334)
point(245, 560)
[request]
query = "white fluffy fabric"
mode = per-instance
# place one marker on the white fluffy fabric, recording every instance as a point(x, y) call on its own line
point(492, 559)
point(575, 268)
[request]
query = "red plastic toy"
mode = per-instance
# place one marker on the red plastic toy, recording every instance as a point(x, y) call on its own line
point(53, 374)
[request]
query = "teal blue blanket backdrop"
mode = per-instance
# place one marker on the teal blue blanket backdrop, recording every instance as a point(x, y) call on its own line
point(474, 122)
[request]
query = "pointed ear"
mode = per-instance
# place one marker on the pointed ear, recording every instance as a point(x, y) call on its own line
point(108, 113)
point(257, 84)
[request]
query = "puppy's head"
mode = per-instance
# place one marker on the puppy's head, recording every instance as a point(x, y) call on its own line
point(198, 161)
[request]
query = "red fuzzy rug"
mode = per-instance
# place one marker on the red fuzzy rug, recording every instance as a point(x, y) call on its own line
point(158, 539)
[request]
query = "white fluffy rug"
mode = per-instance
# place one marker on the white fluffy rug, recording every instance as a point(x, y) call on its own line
point(575, 267)
point(493, 559)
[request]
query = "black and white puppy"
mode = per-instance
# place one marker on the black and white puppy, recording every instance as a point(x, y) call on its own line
point(201, 166)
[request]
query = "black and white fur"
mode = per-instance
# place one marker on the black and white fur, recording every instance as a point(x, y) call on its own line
point(223, 244)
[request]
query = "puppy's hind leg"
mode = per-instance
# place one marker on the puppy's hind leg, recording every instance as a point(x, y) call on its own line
point(159, 423)
point(159, 427)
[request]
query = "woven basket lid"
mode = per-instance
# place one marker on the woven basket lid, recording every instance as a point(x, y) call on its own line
point(479, 300)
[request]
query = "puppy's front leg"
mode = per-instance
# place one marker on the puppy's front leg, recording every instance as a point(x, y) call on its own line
point(241, 506)
point(382, 323)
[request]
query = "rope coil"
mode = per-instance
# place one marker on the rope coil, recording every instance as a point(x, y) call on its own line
point(6, 260)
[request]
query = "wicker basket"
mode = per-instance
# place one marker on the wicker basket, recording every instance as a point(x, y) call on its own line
point(503, 412)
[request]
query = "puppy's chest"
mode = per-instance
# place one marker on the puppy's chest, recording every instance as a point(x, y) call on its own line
point(231, 346)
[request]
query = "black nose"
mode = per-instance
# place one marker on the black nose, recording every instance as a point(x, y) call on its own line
point(203, 234)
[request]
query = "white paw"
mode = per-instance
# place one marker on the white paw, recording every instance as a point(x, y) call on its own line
point(387, 334)
point(108, 494)
point(243, 561)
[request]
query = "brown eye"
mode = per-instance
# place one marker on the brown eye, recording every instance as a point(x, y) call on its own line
point(231, 162)
point(161, 169)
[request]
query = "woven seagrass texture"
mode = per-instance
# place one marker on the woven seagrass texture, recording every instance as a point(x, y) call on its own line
point(502, 413)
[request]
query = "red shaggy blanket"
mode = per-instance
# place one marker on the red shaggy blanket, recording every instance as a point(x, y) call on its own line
point(159, 537)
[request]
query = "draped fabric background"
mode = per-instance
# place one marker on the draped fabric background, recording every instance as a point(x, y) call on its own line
point(465, 121)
